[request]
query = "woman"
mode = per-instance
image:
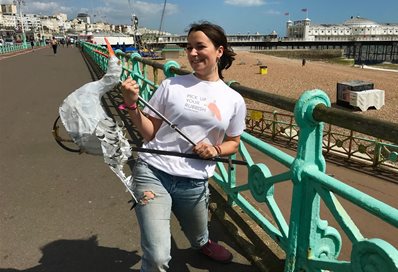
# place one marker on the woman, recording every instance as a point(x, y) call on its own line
point(213, 115)
point(32, 43)
point(54, 45)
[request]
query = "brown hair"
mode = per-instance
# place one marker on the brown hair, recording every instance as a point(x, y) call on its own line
point(217, 36)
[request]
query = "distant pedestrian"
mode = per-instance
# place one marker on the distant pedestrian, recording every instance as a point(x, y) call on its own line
point(32, 43)
point(54, 45)
point(303, 62)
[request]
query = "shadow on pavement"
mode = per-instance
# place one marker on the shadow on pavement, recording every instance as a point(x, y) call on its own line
point(82, 256)
point(88, 256)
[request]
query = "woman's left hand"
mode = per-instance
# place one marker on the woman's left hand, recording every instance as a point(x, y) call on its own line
point(205, 150)
point(130, 91)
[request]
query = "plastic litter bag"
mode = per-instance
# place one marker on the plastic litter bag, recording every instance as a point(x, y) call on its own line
point(89, 126)
point(82, 110)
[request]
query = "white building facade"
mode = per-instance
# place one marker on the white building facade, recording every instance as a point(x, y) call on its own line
point(354, 29)
point(38, 25)
point(8, 21)
point(8, 9)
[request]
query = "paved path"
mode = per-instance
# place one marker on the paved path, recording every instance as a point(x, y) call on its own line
point(61, 211)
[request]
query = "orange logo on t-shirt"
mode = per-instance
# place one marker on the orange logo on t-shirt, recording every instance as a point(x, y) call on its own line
point(214, 109)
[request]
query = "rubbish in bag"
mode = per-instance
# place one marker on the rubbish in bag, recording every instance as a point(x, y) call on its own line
point(81, 111)
point(91, 128)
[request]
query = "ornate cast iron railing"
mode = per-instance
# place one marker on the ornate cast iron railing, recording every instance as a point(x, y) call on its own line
point(347, 143)
point(13, 48)
point(309, 242)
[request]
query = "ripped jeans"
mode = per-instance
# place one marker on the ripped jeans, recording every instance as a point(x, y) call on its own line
point(158, 194)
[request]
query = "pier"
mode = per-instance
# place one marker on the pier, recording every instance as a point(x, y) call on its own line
point(361, 50)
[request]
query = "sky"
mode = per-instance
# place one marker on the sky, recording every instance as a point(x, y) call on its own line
point(235, 16)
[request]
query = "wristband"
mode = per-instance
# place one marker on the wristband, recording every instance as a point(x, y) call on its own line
point(124, 106)
point(218, 149)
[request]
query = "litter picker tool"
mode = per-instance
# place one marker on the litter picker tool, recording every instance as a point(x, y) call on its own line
point(171, 125)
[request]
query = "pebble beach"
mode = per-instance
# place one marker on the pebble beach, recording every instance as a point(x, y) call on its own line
point(289, 78)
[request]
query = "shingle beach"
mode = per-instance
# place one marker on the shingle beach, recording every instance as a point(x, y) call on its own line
point(289, 78)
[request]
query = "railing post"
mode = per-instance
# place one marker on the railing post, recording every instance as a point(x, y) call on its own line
point(231, 181)
point(309, 236)
point(377, 153)
point(350, 145)
point(136, 73)
point(329, 134)
point(274, 124)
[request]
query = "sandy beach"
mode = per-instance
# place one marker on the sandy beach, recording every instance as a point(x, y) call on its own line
point(287, 77)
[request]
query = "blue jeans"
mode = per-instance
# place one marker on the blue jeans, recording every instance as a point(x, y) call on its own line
point(158, 194)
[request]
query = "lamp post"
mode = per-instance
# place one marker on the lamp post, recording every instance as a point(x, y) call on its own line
point(19, 2)
point(42, 40)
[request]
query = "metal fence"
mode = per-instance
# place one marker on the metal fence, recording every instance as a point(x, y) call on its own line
point(4, 49)
point(346, 143)
point(309, 242)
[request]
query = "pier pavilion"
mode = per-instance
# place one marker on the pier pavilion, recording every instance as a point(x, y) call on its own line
point(353, 29)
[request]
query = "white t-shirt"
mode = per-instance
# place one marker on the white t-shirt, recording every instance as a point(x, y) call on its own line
point(202, 110)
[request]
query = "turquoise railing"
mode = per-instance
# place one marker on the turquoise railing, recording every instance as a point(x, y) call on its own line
point(13, 48)
point(309, 242)
point(5, 49)
point(345, 143)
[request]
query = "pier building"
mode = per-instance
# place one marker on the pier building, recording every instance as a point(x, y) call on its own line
point(353, 29)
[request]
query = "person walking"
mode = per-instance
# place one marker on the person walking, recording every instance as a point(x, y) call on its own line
point(54, 45)
point(213, 115)
point(32, 43)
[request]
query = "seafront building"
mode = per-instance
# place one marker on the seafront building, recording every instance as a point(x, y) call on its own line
point(14, 23)
point(353, 29)
point(40, 27)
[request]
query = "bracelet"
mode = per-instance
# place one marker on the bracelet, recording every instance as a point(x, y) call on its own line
point(124, 106)
point(218, 149)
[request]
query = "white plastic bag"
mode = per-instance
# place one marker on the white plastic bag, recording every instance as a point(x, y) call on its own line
point(82, 110)
point(90, 128)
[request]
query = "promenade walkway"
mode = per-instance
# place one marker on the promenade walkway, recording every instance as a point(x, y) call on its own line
point(61, 211)
point(66, 212)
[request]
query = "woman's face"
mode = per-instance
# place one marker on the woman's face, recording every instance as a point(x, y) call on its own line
point(203, 56)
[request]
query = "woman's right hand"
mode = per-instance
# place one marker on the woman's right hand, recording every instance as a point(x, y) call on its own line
point(130, 90)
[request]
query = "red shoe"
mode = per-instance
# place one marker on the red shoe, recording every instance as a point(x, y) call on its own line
point(216, 252)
